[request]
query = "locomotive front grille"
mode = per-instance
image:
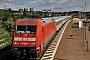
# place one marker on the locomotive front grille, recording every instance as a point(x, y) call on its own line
point(31, 39)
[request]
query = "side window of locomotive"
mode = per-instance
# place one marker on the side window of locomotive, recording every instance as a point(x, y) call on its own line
point(42, 29)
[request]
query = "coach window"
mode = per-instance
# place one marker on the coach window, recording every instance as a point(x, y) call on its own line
point(56, 23)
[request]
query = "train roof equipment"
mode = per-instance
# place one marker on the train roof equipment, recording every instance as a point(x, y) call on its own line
point(47, 20)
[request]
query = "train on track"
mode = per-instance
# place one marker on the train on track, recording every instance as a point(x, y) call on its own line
point(31, 35)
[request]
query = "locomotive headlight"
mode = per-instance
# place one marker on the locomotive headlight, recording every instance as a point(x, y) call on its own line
point(15, 42)
point(17, 39)
point(34, 43)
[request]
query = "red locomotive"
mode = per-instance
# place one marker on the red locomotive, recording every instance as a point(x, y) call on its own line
point(31, 35)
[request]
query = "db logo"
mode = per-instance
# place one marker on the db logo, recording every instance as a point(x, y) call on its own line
point(24, 39)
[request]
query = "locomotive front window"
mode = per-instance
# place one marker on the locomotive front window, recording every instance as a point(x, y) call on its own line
point(27, 29)
point(20, 29)
point(32, 29)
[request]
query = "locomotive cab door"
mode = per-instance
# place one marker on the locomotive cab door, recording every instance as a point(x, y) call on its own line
point(42, 45)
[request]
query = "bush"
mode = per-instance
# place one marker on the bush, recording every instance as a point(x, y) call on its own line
point(5, 36)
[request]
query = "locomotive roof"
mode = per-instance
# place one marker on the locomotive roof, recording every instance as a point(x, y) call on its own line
point(29, 19)
point(47, 20)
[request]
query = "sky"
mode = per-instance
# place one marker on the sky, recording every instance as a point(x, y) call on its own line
point(40, 5)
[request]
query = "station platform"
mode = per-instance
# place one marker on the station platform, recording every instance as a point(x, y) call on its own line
point(73, 44)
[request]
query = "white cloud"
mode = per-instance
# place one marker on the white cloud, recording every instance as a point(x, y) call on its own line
point(56, 5)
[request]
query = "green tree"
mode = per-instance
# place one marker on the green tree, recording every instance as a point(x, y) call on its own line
point(25, 15)
point(7, 20)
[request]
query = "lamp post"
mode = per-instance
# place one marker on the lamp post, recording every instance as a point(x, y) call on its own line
point(22, 2)
point(85, 19)
point(85, 8)
point(81, 12)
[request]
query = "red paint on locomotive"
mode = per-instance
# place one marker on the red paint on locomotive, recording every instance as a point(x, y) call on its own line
point(24, 36)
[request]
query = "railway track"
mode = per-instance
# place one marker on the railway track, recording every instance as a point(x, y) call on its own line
point(49, 51)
